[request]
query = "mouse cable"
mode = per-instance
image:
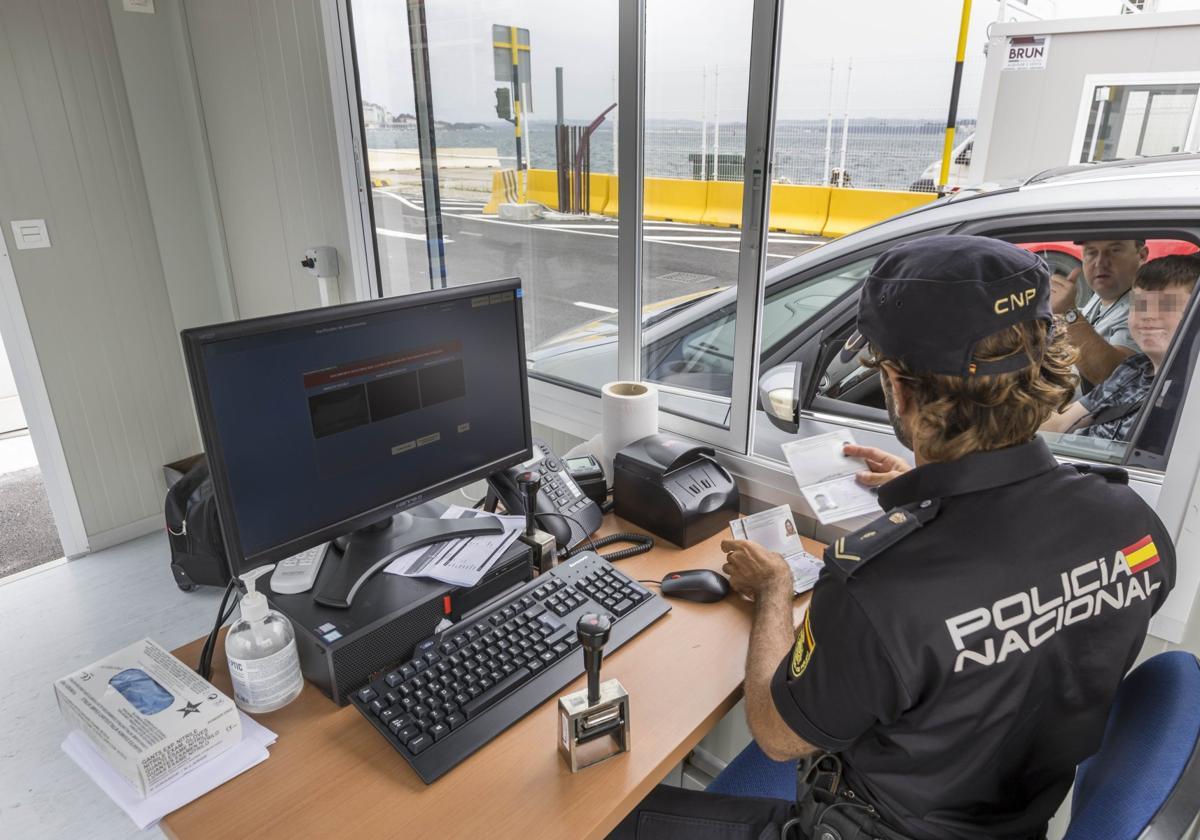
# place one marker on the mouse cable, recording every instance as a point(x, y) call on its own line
point(655, 582)
point(204, 668)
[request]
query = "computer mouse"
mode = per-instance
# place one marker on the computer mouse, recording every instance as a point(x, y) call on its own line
point(702, 585)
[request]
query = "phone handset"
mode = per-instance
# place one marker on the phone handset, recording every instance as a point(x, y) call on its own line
point(562, 508)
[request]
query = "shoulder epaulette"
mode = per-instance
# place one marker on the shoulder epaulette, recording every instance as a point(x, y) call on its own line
point(846, 555)
point(1113, 475)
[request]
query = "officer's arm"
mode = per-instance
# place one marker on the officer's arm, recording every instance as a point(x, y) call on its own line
point(771, 639)
point(1069, 418)
point(1097, 358)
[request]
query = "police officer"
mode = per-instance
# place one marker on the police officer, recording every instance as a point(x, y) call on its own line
point(960, 653)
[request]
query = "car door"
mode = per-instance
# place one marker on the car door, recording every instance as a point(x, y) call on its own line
point(836, 392)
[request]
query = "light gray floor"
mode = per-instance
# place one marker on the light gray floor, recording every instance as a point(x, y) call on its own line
point(54, 622)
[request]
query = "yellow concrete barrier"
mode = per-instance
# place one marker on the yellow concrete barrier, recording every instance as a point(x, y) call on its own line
point(851, 209)
point(674, 199)
point(542, 187)
point(504, 190)
point(723, 207)
point(797, 208)
point(612, 204)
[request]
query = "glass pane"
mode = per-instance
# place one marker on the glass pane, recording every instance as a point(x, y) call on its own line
point(697, 74)
point(393, 163)
point(499, 162)
point(1127, 121)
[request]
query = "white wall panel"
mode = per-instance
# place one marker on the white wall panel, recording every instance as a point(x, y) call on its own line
point(96, 302)
point(264, 88)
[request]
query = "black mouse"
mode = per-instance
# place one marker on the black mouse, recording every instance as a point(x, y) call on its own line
point(702, 585)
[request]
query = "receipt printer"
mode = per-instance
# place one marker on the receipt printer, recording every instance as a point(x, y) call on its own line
point(673, 489)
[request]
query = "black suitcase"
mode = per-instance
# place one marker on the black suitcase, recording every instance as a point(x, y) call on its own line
point(194, 530)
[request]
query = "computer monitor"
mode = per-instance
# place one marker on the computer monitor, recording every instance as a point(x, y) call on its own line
point(330, 423)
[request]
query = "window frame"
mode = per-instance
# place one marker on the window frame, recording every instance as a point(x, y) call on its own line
point(766, 28)
point(1093, 80)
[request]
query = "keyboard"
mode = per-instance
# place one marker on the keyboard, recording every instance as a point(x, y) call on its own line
point(468, 684)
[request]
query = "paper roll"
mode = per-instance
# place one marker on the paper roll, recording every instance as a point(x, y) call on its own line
point(629, 412)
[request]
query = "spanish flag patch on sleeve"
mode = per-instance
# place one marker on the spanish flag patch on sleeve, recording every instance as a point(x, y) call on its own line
point(1141, 555)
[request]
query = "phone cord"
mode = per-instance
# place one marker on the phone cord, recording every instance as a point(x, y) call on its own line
point(642, 544)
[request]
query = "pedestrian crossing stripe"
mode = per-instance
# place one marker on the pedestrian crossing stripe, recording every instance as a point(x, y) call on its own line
point(1141, 555)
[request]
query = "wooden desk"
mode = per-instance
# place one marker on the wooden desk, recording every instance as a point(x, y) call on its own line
point(331, 775)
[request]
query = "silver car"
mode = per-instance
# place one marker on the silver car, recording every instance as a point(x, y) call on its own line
point(808, 386)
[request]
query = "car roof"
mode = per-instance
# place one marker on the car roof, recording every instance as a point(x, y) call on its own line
point(1134, 167)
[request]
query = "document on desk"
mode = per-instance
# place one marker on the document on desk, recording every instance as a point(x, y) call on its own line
point(251, 750)
point(826, 478)
point(462, 561)
point(775, 530)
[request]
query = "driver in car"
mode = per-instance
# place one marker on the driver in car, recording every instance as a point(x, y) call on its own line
point(1100, 330)
point(1160, 297)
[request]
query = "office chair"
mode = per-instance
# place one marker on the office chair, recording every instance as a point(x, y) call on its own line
point(1144, 783)
point(751, 773)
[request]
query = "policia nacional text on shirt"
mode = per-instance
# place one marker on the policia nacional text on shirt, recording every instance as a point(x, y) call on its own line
point(961, 652)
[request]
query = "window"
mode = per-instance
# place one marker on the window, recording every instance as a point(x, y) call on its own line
point(1125, 119)
point(466, 165)
point(844, 387)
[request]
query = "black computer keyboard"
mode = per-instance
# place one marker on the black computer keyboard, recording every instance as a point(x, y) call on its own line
point(464, 687)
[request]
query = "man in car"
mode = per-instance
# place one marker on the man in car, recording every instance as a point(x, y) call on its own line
point(1160, 297)
point(1100, 330)
point(960, 653)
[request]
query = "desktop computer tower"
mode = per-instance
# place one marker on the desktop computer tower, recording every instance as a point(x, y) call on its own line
point(342, 650)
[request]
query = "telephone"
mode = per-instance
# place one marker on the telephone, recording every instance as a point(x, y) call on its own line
point(562, 508)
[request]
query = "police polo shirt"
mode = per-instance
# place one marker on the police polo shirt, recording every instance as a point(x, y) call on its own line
point(962, 651)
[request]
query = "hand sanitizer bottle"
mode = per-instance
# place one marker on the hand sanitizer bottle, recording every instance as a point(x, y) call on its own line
point(261, 649)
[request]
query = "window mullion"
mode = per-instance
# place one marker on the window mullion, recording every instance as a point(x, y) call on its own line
point(630, 97)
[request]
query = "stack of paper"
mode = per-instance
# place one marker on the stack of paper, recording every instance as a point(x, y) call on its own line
point(216, 771)
point(462, 561)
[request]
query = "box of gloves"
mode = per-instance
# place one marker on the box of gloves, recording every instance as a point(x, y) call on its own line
point(150, 716)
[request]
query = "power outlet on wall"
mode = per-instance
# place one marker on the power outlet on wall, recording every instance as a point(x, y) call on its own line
point(146, 7)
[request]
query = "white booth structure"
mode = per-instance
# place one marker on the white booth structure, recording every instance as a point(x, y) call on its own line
point(1064, 92)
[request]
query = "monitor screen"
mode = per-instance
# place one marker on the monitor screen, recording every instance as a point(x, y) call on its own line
point(317, 423)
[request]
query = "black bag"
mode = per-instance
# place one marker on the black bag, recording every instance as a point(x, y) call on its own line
point(194, 530)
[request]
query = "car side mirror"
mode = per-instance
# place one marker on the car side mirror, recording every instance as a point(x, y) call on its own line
point(779, 395)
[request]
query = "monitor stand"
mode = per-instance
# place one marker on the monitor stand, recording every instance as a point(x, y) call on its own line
point(369, 549)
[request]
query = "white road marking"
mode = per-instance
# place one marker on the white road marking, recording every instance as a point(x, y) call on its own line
point(598, 307)
point(403, 234)
point(491, 220)
point(402, 200)
point(694, 238)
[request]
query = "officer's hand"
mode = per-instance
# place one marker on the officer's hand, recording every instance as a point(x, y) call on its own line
point(755, 572)
point(882, 466)
point(1062, 292)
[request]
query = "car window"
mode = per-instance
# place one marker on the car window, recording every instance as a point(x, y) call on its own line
point(844, 380)
point(701, 357)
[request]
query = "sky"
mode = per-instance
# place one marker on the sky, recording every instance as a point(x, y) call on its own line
point(889, 58)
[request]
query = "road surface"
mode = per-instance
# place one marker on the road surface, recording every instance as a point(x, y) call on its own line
point(568, 264)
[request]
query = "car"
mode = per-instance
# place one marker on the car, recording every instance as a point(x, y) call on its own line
point(808, 386)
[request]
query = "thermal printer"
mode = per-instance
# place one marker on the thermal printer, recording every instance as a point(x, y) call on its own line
point(673, 489)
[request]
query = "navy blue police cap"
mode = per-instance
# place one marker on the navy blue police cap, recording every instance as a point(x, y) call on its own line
point(929, 302)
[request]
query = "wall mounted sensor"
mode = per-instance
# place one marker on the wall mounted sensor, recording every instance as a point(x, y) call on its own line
point(322, 263)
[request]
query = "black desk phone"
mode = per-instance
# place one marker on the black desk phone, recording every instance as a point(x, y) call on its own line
point(562, 508)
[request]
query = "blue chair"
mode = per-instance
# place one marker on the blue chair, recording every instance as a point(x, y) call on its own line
point(1145, 780)
point(751, 773)
point(1143, 784)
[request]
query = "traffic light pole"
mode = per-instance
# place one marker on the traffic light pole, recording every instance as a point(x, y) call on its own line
point(516, 89)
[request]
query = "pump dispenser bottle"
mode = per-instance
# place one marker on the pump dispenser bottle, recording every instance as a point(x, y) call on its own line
point(261, 649)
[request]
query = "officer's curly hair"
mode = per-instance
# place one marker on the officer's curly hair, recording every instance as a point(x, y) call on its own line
point(958, 415)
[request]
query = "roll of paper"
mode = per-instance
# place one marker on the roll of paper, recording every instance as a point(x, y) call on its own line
point(629, 412)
